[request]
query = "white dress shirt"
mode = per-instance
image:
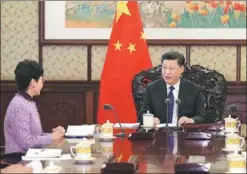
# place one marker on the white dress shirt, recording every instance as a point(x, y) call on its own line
point(175, 94)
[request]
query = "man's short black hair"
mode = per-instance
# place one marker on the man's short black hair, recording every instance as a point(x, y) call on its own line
point(25, 71)
point(174, 55)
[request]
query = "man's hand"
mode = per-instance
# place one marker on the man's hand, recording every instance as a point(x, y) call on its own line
point(184, 120)
point(156, 121)
point(60, 129)
point(16, 168)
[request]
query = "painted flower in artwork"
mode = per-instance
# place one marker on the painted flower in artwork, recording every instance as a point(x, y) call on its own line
point(210, 14)
point(225, 19)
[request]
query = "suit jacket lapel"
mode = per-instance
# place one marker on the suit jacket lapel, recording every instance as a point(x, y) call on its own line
point(164, 92)
point(181, 95)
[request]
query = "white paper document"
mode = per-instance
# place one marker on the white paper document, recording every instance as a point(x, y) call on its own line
point(41, 154)
point(80, 130)
point(169, 125)
point(127, 125)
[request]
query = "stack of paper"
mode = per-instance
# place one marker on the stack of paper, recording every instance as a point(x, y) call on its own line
point(41, 154)
point(80, 130)
point(127, 125)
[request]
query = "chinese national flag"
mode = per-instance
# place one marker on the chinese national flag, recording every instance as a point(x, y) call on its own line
point(126, 56)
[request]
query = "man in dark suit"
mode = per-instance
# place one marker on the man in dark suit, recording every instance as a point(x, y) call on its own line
point(172, 86)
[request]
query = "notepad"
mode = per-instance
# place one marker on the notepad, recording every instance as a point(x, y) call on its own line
point(80, 130)
point(62, 157)
point(34, 154)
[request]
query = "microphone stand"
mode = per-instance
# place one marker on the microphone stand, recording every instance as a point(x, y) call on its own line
point(167, 101)
point(122, 134)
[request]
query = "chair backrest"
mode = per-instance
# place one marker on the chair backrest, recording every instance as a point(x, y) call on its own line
point(212, 82)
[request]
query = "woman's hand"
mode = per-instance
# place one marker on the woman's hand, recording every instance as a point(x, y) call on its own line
point(60, 129)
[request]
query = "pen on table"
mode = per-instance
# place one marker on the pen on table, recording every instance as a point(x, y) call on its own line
point(40, 151)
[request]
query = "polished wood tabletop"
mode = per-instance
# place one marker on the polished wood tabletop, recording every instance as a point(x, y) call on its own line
point(152, 156)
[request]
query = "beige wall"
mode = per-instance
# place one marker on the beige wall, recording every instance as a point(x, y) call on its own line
point(19, 40)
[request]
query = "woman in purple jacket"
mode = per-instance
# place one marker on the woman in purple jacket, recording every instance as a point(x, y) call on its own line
point(22, 125)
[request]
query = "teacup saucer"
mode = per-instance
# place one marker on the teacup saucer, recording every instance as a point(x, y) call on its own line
point(106, 137)
point(225, 131)
point(84, 160)
point(237, 172)
point(231, 149)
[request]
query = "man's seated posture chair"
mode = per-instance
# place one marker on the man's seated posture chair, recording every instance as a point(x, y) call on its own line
point(212, 82)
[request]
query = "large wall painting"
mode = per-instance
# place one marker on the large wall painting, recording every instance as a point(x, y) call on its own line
point(188, 20)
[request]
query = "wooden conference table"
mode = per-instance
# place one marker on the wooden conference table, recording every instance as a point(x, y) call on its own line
point(154, 156)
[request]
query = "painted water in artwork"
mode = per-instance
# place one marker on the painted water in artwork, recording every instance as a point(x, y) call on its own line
point(160, 14)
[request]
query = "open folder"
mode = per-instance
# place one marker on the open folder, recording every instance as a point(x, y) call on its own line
point(80, 131)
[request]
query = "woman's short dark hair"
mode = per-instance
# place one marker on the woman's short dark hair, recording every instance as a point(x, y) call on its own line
point(25, 71)
point(174, 55)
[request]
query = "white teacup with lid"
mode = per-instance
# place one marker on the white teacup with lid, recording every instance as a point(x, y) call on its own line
point(234, 141)
point(236, 163)
point(148, 119)
point(232, 124)
point(83, 149)
point(106, 129)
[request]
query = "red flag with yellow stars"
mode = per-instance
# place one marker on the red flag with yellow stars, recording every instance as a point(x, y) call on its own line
point(126, 56)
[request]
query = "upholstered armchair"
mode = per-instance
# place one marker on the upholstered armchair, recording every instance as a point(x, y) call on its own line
point(212, 82)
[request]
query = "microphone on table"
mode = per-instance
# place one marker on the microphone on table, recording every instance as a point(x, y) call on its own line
point(178, 101)
point(167, 101)
point(110, 107)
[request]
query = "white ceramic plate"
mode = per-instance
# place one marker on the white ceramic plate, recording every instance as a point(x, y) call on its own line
point(238, 172)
